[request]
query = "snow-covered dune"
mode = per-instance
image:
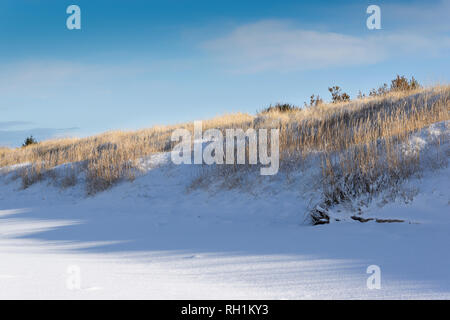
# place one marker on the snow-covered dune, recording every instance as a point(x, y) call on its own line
point(157, 238)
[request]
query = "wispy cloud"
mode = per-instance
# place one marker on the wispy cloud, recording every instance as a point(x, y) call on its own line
point(42, 78)
point(277, 45)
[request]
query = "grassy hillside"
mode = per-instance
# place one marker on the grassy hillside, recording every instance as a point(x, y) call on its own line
point(358, 139)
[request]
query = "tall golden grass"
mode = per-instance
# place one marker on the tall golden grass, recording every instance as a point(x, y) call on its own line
point(356, 136)
point(337, 127)
point(105, 158)
point(360, 143)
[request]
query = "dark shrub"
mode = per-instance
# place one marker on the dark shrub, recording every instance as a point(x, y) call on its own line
point(314, 101)
point(401, 83)
point(280, 107)
point(337, 96)
point(381, 91)
point(29, 141)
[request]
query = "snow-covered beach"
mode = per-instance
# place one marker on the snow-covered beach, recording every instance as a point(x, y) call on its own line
point(155, 239)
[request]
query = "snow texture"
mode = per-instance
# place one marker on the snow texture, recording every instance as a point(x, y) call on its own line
point(154, 238)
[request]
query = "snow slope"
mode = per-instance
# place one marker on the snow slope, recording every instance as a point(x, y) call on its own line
point(154, 239)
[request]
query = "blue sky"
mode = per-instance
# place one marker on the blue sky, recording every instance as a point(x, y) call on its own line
point(135, 64)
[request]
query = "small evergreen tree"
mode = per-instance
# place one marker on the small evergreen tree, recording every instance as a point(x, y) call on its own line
point(29, 141)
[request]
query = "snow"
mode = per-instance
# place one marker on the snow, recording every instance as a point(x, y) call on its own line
point(155, 238)
point(428, 137)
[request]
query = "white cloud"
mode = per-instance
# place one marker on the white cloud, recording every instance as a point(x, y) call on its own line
point(42, 78)
point(281, 46)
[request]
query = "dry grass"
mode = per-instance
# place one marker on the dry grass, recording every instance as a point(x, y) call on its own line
point(356, 137)
point(337, 127)
point(359, 143)
point(4, 151)
point(105, 158)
